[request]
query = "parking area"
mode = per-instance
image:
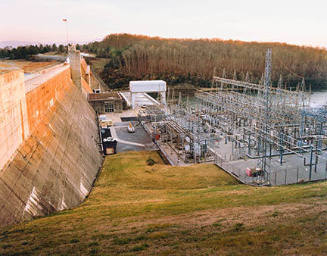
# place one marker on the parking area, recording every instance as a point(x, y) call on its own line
point(137, 141)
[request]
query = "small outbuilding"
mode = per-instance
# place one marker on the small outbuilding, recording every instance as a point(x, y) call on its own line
point(106, 102)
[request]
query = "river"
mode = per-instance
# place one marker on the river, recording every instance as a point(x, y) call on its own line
point(318, 98)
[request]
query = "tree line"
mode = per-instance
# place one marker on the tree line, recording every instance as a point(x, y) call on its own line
point(195, 61)
point(26, 52)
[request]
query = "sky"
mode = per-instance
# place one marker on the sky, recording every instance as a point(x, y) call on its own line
point(297, 22)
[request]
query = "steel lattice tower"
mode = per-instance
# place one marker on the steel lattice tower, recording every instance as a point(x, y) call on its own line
point(265, 162)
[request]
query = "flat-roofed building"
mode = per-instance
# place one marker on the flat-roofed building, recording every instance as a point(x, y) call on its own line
point(106, 102)
point(139, 89)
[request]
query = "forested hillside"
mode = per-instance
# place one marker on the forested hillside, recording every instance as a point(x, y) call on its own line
point(185, 60)
point(27, 52)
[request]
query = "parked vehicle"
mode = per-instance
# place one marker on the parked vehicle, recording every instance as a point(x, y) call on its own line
point(108, 142)
point(106, 123)
point(130, 128)
point(254, 172)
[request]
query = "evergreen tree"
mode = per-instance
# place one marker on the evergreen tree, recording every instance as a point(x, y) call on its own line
point(54, 48)
point(61, 48)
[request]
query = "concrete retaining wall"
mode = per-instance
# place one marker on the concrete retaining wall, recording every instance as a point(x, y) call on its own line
point(75, 65)
point(55, 167)
point(42, 98)
point(13, 115)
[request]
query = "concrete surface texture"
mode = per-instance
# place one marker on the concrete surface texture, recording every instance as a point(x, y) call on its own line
point(140, 140)
point(46, 90)
point(85, 77)
point(75, 66)
point(36, 79)
point(116, 117)
point(14, 126)
point(54, 168)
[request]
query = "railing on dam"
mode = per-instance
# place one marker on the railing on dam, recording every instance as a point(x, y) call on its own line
point(42, 77)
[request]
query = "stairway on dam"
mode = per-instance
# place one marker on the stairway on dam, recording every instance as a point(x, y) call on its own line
point(49, 154)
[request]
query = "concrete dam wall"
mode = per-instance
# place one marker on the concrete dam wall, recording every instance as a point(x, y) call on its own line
point(56, 156)
point(13, 114)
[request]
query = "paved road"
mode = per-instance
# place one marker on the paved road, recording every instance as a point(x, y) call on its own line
point(32, 82)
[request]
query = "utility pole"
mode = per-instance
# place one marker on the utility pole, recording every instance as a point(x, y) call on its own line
point(66, 21)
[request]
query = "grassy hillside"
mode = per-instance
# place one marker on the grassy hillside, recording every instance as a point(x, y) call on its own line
point(133, 57)
point(138, 209)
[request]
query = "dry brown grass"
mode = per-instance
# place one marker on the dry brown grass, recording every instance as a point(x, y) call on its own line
point(28, 66)
point(137, 209)
point(98, 64)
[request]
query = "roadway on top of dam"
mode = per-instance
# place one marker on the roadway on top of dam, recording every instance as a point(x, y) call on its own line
point(35, 80)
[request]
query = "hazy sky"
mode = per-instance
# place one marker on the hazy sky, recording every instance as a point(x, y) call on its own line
point(298, 22)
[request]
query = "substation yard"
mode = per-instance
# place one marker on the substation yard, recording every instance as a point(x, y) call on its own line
point(260, 134)
point(141, 209)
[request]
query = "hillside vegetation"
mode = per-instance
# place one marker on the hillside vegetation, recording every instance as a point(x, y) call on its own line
point(133, 57)
point(27, 52)
point(141, 209)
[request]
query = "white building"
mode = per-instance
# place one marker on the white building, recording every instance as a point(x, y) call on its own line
point(141, 88)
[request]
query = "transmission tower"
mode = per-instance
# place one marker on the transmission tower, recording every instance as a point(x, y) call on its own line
point(265, 160)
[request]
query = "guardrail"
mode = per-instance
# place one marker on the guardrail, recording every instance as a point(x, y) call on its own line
point(43, 76)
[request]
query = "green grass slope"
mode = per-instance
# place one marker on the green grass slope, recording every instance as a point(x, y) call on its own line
point(137, 209)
